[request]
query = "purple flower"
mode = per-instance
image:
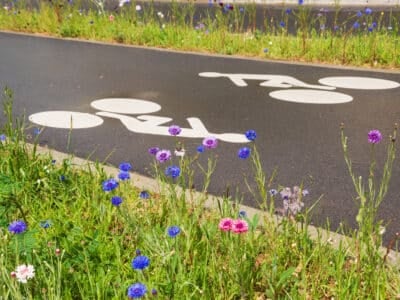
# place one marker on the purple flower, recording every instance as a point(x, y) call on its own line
point(154, 292)
point(359, 13)
point(173, 171)
point(301, 2)
point(124, 175)
point(109, 184)
point(273, 192)
point(163, 155)
point(173, 231)
point(210, 142)
point(356, 25)
point(45, 224)
point(138, 252)
point(153, 150)
point(116, 201)
point(282, 24)
point(17, 227)
point(288, 11)
point(140, 262)
point(244, 152)
point(374, 136)
point(144, 195)
point(125, 166)
point(137, 290)
point(368, 11)
point(251, 135)
point(37, 131)
point(2, 137)
point(305, 192)
point(174, 130)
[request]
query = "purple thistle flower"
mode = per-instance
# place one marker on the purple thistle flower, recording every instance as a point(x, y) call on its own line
point(374, 136)
point(17, 227)
point(140, 262)
point(173, 231)
point(173, 171)
point(210, 142)
point(125, 166)
point(153, 150)
point(174, 130)
point(124, 175)
point(116, 201)
point(251, 135)
point(244, 152)
point(109, 184)
point(137, 290)
point(163, 155)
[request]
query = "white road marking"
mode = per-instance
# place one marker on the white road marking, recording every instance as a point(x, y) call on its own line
point(126, 106)
point(65, 119)
point(311, 96)
point(359, 83)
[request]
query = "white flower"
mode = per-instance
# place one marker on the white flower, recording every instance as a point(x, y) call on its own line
point(138, 8)
point(160, 14)
point(180, 152)
point(24, 272)
point(123, 2)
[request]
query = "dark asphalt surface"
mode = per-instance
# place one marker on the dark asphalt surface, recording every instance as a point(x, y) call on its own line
point(301, 140)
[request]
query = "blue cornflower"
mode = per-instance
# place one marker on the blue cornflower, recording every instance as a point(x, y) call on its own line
point(200, 149)
point(301, 2)
point(62, 177)
point(242, 214)
point(2, 137)
point(356, 25)
point(125, 167)
point(124, 175)
point(210, 3)
point(370, 29)
point(368, 11)
point(17, 227)
point(359, 13)
point(251, 135)
point(109, 184)
point(288, 11)
point(137, 290)
point(173, 231)
point(116, 200)
point(244, 152)
point(241, 9)
point(374, 25)
point(282, 24)
point(37, 131)
point(144, 195)
point(45, 224)
point(154, 292)
point(140, 262)
point(173, 171)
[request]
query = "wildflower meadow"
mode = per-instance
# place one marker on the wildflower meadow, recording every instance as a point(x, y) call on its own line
point(77, 232)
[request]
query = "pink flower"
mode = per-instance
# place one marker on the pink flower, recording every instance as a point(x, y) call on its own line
point(240, 226)
point(111, 18)
point(225, 224)
point(24, 272)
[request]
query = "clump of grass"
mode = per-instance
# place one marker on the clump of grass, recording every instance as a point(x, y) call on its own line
point(362, 39)
point(88, 234)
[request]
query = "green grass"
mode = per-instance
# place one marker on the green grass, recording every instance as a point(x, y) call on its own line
point(223, 34)
point(87, 249)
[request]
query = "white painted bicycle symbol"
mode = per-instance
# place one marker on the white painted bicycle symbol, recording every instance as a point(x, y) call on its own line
point(308, 93)
point(122, 109)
